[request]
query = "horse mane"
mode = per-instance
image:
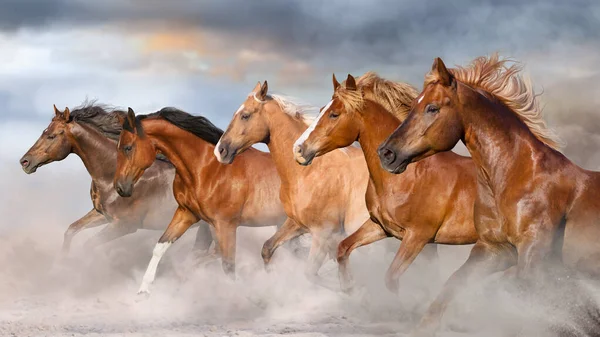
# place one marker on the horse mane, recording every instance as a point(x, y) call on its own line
point(396, 97)
point(295, 108)
point(200, 126)
point(505, 82)
point(101, 117)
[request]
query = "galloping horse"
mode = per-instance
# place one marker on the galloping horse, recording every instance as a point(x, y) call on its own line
point(533, 204)
point(91, 133)
point(225, 196)
point(326, 199)
point(431, 203)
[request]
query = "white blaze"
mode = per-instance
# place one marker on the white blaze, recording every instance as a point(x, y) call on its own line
point(312, 127)
point(241, 108)
point(420, 99)
point(216, 151)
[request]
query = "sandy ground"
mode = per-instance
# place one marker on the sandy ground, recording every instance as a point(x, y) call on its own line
point(93, 293)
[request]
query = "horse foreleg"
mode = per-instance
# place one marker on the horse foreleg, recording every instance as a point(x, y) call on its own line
point(182, 220)
point(113, 231)
point(483, 260)
point(92, 219)
point(534, 248)
point(226, 235)
point(204, 238)
point(317, 255)
point(410, 247)
point(289, 230)
point(368, 233)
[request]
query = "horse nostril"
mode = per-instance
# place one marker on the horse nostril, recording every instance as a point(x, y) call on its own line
point(24, 162)
point(119, 190)
point(388, 155)
point(299, 149)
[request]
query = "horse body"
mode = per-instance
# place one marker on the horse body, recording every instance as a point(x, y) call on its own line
point(545, 206)
point(225, 196)
point(533, 207)
point(149, 208)
point(326, 200)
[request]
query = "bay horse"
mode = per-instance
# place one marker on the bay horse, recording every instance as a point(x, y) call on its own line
point(225, 196)
point(431, 203)
point(91, 132)
point(533, 206)
point(325, 199)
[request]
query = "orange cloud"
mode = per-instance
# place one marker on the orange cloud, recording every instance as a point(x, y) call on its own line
point(227, 56)
point(178, 41)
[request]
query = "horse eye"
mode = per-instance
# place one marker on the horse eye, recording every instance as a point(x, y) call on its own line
point(432, 108)
point(51, 137)
point(333, 115)
point(127, 148)
point(245, 117)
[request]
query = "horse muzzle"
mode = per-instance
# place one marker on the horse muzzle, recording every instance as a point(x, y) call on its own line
point(302, 156)
point(124, 189)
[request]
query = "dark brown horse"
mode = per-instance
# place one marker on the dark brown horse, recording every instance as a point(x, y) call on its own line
point(431, 203)
point(225, 196)
point(325, 199)
point(91, 132)
point(533, 206)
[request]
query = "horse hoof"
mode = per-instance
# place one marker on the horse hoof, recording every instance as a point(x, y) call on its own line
point(143, 293)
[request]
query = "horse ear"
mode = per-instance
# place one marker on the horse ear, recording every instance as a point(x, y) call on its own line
point(264, 88)
point(67, 114)
point(350, 83)
point(336, 84)
point(441, 72)
point(256, 87)
point(131, 119)
point(57, 112)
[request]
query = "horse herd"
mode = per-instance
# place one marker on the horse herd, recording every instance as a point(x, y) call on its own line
point(517, 198)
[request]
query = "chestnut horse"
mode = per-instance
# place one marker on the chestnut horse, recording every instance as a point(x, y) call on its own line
point(533, 205)
point(325, 199)
point(91, 132)
point(431, 203)
point(225, 196)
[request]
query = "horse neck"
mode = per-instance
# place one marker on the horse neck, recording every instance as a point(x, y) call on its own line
point(98, 153)
point(188, 153)
point(494, 134)
point(377, 125)
point(283, 132)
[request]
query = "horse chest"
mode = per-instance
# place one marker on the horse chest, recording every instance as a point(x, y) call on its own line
point(386, 211)
point(309, 207)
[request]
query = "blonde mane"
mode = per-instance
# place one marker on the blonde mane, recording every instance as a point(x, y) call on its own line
point(396, 97)
point(295, 108)
point(504, 82)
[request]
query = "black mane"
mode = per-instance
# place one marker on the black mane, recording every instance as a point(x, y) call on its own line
point(198, 125)
point(100, 116)
point(104, 119)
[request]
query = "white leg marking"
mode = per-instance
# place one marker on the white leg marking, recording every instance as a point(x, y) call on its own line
point(311, 128)
point(157, 254)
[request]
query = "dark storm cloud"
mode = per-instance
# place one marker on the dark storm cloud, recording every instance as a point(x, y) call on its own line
point(381, 31)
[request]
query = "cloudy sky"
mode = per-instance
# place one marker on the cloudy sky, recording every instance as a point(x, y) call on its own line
point(204, 56)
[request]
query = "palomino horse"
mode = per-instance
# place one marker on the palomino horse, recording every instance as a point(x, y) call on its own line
point(533, 205)
point(431, 203)
point(91, 133)
point(225, 196)
point(325, 199)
